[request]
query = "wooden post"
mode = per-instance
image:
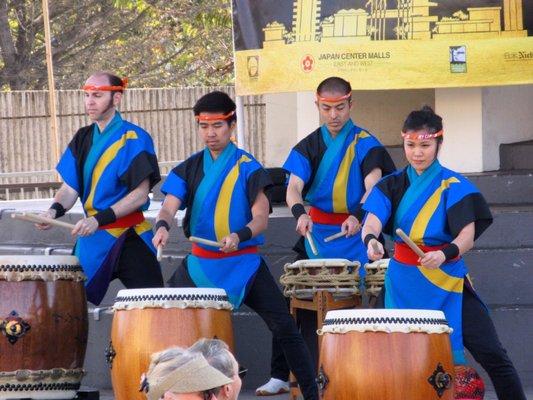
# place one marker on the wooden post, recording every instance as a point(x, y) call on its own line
point(240, 122)
point(51, 85)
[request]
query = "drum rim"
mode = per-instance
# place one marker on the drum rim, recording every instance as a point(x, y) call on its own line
point(44, 260)
point(170, 291)
point(385, 313)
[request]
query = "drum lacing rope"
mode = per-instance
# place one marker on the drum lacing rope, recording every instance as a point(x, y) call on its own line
point(173, 297)
point(375, 276)
point(385, 320)
point(299, 276)
point(48, 272)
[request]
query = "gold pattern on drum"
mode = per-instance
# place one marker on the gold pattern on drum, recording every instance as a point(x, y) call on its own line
point(14, 327)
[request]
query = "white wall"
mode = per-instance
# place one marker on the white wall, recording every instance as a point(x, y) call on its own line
point(507, 118)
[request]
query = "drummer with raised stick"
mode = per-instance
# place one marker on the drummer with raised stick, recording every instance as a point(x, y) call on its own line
point(442, 213)
point(111, 166)
point(225, 192)
point(333, 169)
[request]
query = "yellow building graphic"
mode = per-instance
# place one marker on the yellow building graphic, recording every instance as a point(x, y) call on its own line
point(410, 20)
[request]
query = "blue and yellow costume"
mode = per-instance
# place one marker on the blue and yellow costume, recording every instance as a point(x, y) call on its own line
point(103, 167)
point(333, 170)
point(218, 195)
point(432, 208)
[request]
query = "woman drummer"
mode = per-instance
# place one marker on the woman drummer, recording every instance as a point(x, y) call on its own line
point(443, 213)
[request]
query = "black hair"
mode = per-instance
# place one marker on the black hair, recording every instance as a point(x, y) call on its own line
point(425, 118)
point(113, 79)
point(334, 84)
point(216, 102)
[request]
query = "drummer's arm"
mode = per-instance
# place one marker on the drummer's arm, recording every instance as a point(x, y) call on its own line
point(370, 180)
point(372, 227)
point(65, 197)
point(295, 202)
point(260, 211)
point(170, 207)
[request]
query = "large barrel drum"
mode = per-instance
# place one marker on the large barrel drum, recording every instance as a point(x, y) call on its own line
point(43, 325)
point(386, 355)
point(150, 320)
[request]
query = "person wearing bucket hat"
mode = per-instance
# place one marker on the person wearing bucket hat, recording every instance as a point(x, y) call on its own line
point(206, 370)
point(193, 378)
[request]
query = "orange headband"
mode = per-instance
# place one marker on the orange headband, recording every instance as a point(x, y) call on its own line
point(107, 88)
point(214, 117)
point(333, 99)
point(423, 135)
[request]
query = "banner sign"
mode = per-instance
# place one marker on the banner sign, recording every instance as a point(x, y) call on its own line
point(291, 45)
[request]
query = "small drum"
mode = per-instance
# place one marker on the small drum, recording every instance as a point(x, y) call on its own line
point(303, 278)
point(150, 320)
point(386, 355)
point(43, 325)
point(375, 276)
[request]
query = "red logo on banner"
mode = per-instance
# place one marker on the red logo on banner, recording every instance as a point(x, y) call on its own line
point(307, 63)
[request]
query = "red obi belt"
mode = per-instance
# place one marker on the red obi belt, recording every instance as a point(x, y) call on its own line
point(404, 254)
point(321, 217)
point(127, 221)
point(204, 253)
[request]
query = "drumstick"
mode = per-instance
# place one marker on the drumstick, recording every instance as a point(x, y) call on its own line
point(29, 217)
point(407, 240)
point(335, 236)
point(207, 242)
point(311, 243)
point(159, 253)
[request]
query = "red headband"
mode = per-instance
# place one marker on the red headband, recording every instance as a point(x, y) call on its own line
point(333, 99)
point(107, 88)
point(422, 136)
point(214, 117)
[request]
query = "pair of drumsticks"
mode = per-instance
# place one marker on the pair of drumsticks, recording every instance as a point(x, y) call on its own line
point(35, 218)
point(38, 219)
point(407, 240)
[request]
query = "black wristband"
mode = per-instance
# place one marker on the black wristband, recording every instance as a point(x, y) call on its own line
point(359, 213)
point(368, 238)
point(298, 210)
point(162, 223)
point(244, 234)
point(105, 217)
point(451, 251)
point(60, 210)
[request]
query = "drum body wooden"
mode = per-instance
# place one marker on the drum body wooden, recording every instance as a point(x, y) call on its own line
point(303, 278)
point(375, 276)
point(43, 324)
point(386, 355)
point(150, 320)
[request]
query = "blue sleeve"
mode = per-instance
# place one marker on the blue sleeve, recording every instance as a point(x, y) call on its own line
point(364, 145)
point(176, 186)
point(298, 165)
point(379, 205)
point(68, 170)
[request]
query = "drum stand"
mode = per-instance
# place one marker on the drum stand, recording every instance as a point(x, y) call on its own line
point(322, 302)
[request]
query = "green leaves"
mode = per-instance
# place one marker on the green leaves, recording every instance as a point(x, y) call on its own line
point(156, 43)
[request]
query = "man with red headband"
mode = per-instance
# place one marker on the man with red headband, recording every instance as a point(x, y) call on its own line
point(111, 166)
point(334, 169)
point(225, 192)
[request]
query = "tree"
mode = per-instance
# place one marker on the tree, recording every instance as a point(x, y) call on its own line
point(156, 43)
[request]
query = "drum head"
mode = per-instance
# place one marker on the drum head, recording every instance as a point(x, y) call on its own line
point(44, 268)
point(390, 320)
point(172, 298)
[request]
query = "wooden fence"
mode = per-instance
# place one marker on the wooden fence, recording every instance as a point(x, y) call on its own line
point(25, 145)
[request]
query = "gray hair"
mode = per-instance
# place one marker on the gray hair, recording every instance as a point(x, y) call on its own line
point(217, 354)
